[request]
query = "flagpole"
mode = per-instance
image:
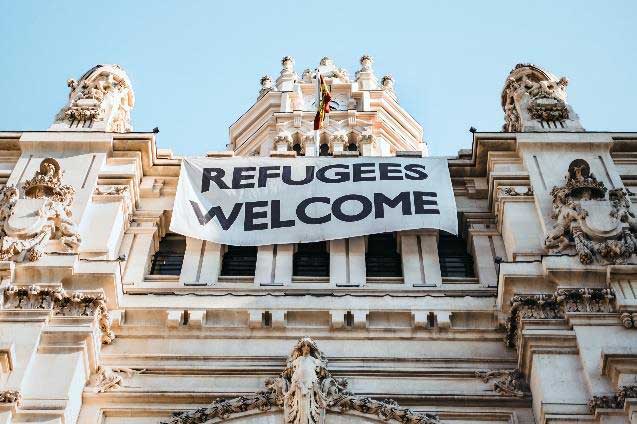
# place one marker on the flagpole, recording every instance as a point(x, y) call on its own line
point(318, 104)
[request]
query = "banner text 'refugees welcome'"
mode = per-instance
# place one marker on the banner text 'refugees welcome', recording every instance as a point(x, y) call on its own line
point(264, 214)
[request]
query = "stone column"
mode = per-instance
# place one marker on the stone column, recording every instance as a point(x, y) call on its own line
point(347, 262)
point(419, 252)
point(139, 244)
point(482, 249)
point(274, 265)
point(202, 262)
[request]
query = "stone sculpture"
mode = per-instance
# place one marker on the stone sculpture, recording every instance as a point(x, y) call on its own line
point(102, 99)
point(305, 391)
point(598, 227)
point(535, 100)
point(27, 225)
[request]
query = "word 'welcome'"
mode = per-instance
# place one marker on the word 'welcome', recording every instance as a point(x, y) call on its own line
point(263, 215)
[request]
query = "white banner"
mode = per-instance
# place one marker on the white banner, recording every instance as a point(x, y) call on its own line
point(252, 201)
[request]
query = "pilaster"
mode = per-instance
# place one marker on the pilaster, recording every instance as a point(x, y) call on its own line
point(419, 252)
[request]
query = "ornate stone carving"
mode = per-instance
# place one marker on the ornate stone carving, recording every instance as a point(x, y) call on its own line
point(287, 64)
point(114, 190)
point(629, 320)
point(586, 300)
point(61, 302)
point(11, 396)
point(506, 382)
point(103, 95)
point(107, 379)
point(266, 86)
point(26, 225)
point(305, 390)
point(366, 62)
point(515, 191)
point(548, 100)
point(387, 82)
point(533, 99)
point(555, 306)
point(597, 227)
point(614, 401)
point(328, 69)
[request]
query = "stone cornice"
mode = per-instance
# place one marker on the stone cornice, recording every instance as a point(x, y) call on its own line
point(556, 306)
point(59, 302)
point(613, 401)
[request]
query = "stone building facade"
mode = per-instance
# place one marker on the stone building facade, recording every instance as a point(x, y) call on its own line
point(527, 316)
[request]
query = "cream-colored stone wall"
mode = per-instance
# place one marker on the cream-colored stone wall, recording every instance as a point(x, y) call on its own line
point(89, 335)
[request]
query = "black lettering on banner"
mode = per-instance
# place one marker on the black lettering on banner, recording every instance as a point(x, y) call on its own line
point(275, 213)
point(415, 171)
point(239, 174)
point(359, 172)
point(339, 177)
point(337, 208)
point(287, 176)
point(301, 211)
point(265, 174)
point(380, 200)
point(420, 201)
point(215, 175)
point(251, 215)
point(225, 222)
point(385, 171)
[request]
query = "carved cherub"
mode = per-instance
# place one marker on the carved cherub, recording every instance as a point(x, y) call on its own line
point(565, 212)
point(621, 208)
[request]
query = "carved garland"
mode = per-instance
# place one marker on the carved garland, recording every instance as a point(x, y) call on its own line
point(515, 191)
point(555, 306)
point(11, 396)
point(614, 401)
point(63, 303)
point(305, 390)
point(506, 382)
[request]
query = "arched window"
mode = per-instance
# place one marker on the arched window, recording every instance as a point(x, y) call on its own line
point(239, 261)
point(324, 150)
point(311, 260)
point(298, 149)
point(382, 258)
point(352, 147)
point(455, 261)
point(170, 256)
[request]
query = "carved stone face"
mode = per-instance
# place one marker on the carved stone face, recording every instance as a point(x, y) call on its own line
point(305, 350)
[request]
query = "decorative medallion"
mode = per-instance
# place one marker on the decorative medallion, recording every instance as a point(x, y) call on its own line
point(27, 225)
point(599, 228)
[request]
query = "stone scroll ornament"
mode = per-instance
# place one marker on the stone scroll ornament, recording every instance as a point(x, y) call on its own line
point(305, 391)
point(601, 228)
point(44, 214)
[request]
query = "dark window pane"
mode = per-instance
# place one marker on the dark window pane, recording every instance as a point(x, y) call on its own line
point(454, 259)
point(239, 261)
point(311, 260)
point(382, 258)
point(170, 256)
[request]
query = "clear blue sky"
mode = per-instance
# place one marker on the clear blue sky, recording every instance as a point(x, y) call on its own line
point(195, 65)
